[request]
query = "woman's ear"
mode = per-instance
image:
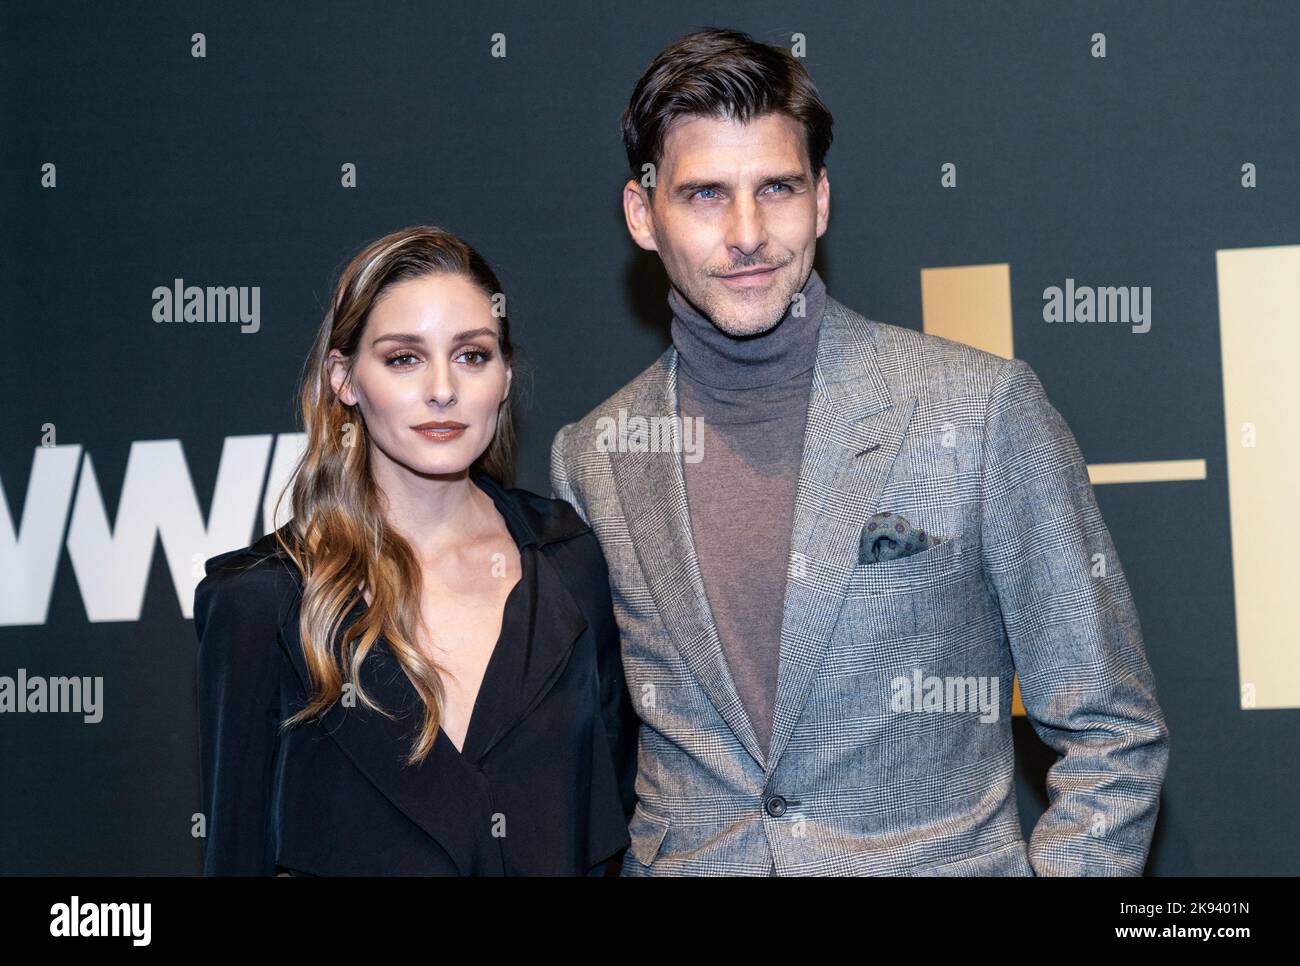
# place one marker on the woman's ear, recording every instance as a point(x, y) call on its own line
point(339, 381)
point(509, 374)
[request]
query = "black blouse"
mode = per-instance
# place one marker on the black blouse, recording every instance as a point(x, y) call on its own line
point(544, 784)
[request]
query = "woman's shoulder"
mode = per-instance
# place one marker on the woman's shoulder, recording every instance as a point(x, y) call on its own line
point(261, 571)
point(264, 553)
point(242, 607)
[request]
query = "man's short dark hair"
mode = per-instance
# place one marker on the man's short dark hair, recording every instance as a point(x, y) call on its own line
point(723, 74)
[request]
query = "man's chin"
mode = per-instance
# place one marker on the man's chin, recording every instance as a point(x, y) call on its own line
point(738, 314)
point(742, 320)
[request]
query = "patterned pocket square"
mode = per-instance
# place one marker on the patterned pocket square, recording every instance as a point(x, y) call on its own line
point(888, 536)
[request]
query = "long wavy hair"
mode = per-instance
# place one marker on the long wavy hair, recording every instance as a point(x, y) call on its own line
point(339, 538)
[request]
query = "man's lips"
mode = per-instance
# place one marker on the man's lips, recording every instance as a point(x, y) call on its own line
point(751, 271)
point(750, 278)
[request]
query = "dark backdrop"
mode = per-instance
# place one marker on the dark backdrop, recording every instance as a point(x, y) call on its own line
point(226, 170)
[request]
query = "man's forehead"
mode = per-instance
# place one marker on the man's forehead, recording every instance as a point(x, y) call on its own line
point(698, 140)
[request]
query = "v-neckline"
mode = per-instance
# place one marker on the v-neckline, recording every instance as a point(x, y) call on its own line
point(494, 659)
point(492, 662)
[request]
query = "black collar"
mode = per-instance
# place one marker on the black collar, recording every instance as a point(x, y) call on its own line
point(532, 519)
point(548, 616)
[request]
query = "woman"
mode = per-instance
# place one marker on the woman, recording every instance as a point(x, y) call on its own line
point(420, 673)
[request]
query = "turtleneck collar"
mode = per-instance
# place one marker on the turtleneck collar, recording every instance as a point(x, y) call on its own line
point(709, 356)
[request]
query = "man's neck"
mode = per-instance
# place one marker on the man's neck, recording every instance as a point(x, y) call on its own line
point(711, 357)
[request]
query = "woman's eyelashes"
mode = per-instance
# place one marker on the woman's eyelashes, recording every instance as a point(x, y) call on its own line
point(405, 358)
point(394, 360)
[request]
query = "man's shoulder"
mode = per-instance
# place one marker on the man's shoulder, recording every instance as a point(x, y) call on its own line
point(628, 399)
point(922, 364)
point(912, 362)
point(899, 345)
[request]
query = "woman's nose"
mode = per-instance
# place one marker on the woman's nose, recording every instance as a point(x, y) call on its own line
point(442, 384)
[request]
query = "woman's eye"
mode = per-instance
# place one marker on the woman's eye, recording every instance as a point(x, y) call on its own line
point(395, 360)
point(483, 357)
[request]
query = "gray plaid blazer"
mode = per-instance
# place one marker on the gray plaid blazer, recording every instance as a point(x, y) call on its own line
point(881, 763)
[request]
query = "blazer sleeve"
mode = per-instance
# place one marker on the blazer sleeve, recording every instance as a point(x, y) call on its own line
point(236, 618)
point(616, 710)
point(622, 725)
point(1074, 635)
point(560, 487)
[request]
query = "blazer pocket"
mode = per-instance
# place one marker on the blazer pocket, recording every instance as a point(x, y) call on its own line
point(647, 831)
point(919, 568)
point(1007, 859)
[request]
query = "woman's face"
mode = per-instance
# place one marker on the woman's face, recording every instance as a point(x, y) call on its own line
point(428, 375)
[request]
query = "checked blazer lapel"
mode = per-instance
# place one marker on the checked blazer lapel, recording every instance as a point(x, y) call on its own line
point(854, 429)
point(647, 467)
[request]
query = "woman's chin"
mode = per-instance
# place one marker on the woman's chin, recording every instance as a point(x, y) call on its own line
point(455, 462)
point(434, 459)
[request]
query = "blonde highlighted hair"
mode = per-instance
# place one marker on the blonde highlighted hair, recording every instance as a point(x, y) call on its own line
point(338, 538)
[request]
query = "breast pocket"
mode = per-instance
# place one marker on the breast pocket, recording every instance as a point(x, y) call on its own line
point(925, 616)
point(902, 573)
point(935, 592)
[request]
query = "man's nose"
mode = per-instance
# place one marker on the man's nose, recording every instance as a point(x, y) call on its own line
point(745, 228)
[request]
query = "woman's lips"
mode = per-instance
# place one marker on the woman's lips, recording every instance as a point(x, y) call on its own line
point(440, 434)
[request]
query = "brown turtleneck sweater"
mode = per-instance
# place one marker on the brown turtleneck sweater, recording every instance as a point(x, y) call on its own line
point(752, 396)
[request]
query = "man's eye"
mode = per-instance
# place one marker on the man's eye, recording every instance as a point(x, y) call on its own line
point(780, 184)
point(702, 190)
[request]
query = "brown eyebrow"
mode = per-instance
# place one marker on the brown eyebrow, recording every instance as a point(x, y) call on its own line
point(688, 188)
point(409, 338)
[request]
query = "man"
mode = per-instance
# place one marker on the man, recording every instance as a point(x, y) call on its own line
point(822, 606)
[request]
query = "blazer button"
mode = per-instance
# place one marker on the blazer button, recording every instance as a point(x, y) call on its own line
point(775, 806)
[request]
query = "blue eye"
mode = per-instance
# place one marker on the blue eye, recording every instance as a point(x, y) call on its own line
point(701, 190)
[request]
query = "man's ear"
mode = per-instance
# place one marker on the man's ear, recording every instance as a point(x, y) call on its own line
point(638, 213)
point(823, 201)
point(339, 381)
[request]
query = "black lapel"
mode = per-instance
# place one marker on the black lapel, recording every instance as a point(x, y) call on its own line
point(539, 634)
point(377, 745)
point(539, 637)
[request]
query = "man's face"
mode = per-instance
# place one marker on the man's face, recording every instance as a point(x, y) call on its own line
point(733, 198)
